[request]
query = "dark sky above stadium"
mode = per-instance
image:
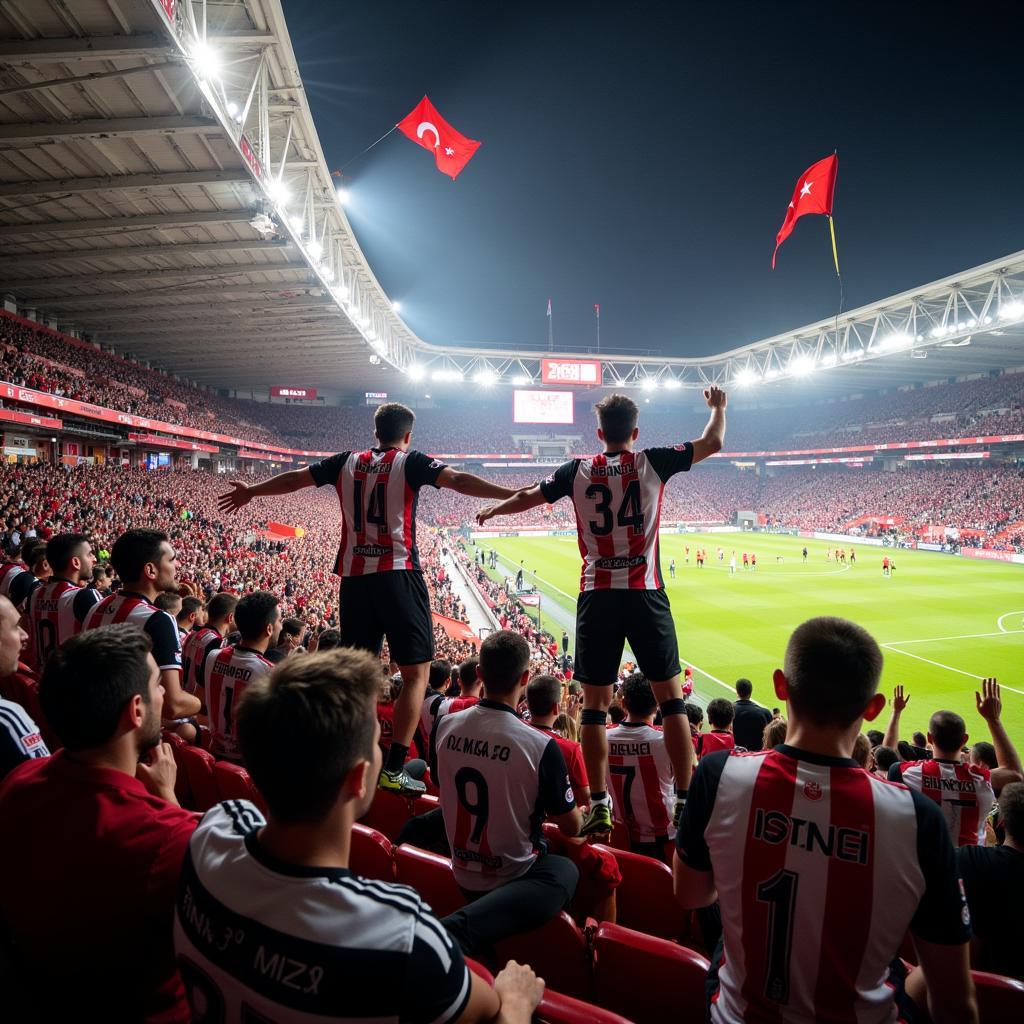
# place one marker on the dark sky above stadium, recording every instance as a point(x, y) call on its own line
point(641, 155)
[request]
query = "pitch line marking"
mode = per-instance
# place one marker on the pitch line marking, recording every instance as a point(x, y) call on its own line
point(964, 636)
point(948, 668)
point(772, 572)
point(1002, 628)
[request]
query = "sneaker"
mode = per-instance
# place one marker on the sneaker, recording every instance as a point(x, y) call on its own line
point(402, 783)
point(598, 820)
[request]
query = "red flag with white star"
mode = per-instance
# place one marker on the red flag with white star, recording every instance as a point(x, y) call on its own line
point(812, 194)
point(427, 128)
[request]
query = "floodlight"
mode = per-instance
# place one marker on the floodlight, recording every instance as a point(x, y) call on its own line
point(486, 378)
point(520, 380)
point(278, 191)
point(649, 384)
point(1012, 310)
point(296, 222)
point(671, 383)
point(232, 108)
point(802, 366)
point(898, 340)
point(852, 353)
point(829, 360)
point(772, 374)
point(343, 196)
point(745, 376)
point(416, 371)
point(396, 306)
point(205, 60)
point(314, 248)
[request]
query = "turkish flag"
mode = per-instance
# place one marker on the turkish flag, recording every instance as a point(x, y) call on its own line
point(812, 194)
point(427, 128)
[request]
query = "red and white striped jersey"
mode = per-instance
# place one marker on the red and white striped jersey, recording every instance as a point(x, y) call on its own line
point(228, 672)
point(498, 779)
point(617, 500)
point(137, 610)
point(56, 612)
point(378, 490)
point(195, 650)
point(820, 870)
point(962, 791)
point(641, 779)
point(9, 571)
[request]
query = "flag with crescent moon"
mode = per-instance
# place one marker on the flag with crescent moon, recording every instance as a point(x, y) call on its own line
point(427, 128)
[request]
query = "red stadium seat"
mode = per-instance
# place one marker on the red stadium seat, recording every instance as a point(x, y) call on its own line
point(389, 812)
point(478, 968)
point(673, 977)
point(557, 951)
point(198, 765)
point(431, 876)
point(1000, 999)
point(645, 901)
point(558, 1009)
point(620, 836)
point(182, 790)
point(371, 854)
point(233, 782)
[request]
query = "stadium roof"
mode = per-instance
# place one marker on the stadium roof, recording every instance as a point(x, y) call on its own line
point(163, 189)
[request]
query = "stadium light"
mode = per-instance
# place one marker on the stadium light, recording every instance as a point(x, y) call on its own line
point(452, 375)
point(343, 196)
point(1011, 311)
point(672, 384)
point(745, 377)
point(852, 353)
point(895, 341)
point(314, 248)
point(520, 380)
point(416, 372)
point(649, 384)
point(829, 360)
point(396, 306)
point(232, 109)
point(940, 331)
point(296, 222)
point(802, 366)
point(486, 378)
point(278, 191)
point(205, 60)
point(772, 374)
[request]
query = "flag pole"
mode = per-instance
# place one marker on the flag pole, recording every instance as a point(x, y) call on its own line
point(835, 253)
point(551, 329)
point(597, 317)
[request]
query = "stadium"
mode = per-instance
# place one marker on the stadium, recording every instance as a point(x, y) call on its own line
point(192, 332)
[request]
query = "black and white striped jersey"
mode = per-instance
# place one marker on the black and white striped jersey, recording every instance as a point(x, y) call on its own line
point(19, 737)
point(259, 939)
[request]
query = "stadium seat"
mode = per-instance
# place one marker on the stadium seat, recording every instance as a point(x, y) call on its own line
point(1000, 999)
point(645, 901)
point(198, 766)
point(233, 782)
point(182, 790)
point(478, 968)
point(389, 812)
point(558, 1009)
point(557, 951)
point(431, 876)
point(673, 977)
point(371, 854)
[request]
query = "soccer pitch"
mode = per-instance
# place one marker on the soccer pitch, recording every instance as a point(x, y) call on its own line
point(944, 623)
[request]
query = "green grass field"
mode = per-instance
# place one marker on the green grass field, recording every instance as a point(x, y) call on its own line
point(943, 622)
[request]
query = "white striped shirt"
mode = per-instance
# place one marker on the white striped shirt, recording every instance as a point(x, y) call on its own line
point(261, 939)
point(20, 739)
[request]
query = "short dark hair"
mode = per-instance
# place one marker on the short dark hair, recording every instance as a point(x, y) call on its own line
point(392, 421)
point(440, 674)
point(720, 712)
point(919, 739)
point(190, 606)
point(947, 729)
point(305, 725)
point(543, 695)
point(468, 672)
point(134, 550)
point(89, 679)
point(61, 548)
point(33, 551)
point(328, 640)
point(832, 668)
point(875, 737)
point(504, 657)
point(292, 626)
point(744, 688)
point(221, 606)
point(1011, 807)
point(637, 695)
point(255, 612)
point(885, 757)
point(984, 752)
point(694, 712)
point(617, 416)
point(168, 599)
point(617, 713)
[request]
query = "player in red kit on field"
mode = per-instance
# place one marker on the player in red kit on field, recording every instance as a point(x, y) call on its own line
point(617, 499)
point(383, 593)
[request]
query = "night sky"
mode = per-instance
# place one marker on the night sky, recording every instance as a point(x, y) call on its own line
point(641, 155)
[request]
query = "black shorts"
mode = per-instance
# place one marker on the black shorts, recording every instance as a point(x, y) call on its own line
point(606, 619)
point(392, 604)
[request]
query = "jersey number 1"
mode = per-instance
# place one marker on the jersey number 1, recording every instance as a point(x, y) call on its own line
point(779, 892)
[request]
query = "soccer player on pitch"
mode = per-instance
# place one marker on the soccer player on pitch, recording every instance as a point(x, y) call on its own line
point(617, 500)
point(383, 592)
